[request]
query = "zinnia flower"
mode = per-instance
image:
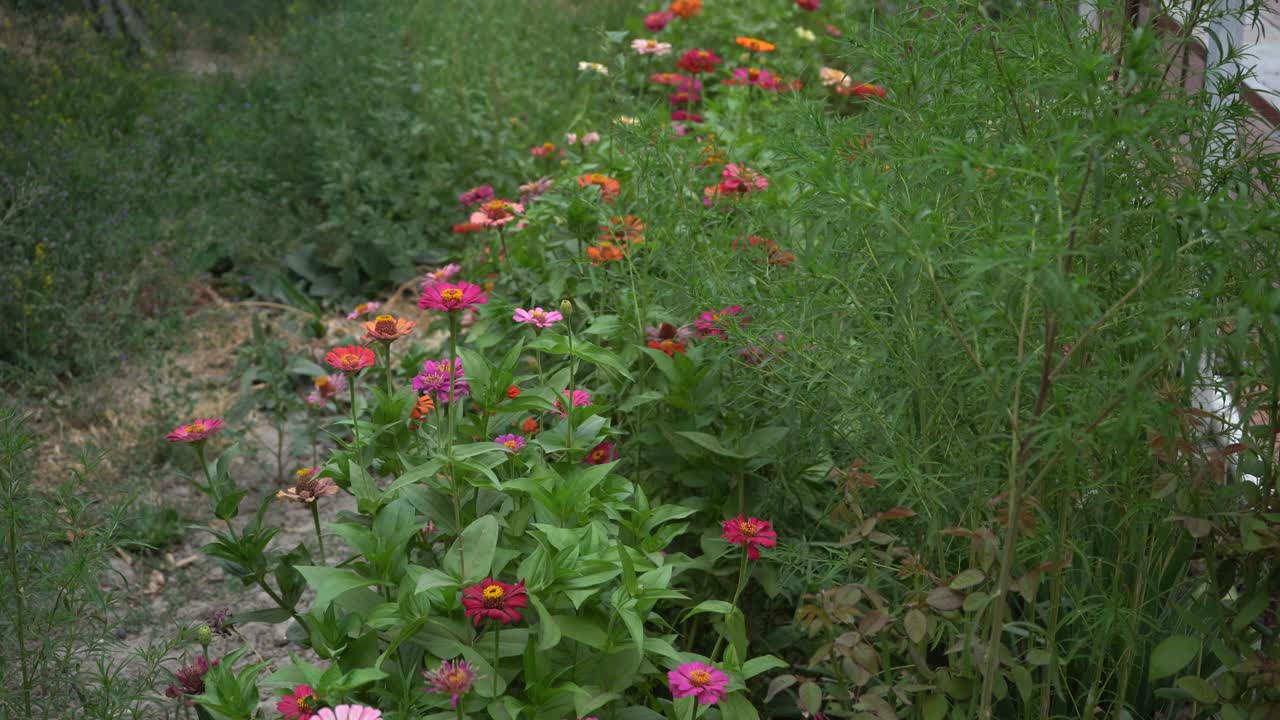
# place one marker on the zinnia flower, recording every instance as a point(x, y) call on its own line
point(421, 408)
point(327, 386)
point(605, 252)
point(434, 378)
point(623, 230)
point(667, 78)
point(467, 227)
point(685, 9)
point(537, 317)
point(600, 454)
point(741, 179)
point(609, 188)
point(755, 44)
point(452, 297)
point(529, 426)
point(453, 678)
point(809, 5)
point(657, 22)
point(626, 120)
point(476, 195)
point(594, 67)
point(513, 392)
point(751, 532)
point(650, 47)
point(806, 34)
point(762, 79)
point(591, 138)
point(757, 352)
point(714, 322)
point(698, 61)
point(670, 347)
point(581, 398)
point(685, 116)
point(667, 331)
point(834, 31)
point(534, 190)
point(196, 431)
point(773, 254)
point(704, 682)
point(350, 359)
point(684, 98)
point(512, 443)
point(543, 150)
point(862, 90)
point(388, 328)
point(496, 213)
point(307, 488)
point(349, 712)
point(440, 275)
point(363, 309)
point(301, 705)
point(496, 600)
point(190, 679)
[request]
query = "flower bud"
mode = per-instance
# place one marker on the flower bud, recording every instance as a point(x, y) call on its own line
point(566, 308)
point(204, 635)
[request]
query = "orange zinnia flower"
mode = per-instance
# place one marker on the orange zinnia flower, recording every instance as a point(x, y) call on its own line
point(609, 188)
point(388, 328)
point(605, 252)
point(685, 9)
point(755, 45)
point(623, 230)
point(421, 409)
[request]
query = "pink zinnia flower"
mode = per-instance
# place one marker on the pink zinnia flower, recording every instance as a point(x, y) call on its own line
point(581, 398)
point(512, 443)
point(496, 213)
point(601, 454)
point(327, 386)
point(440, 275)
point(713, 322)
point(543, 150)
point(704, 682)
point(452, 297)
point(751, 532)
point(591, 138)
point(657, 22)
point(754, 76)
point(834, 31)
point(453, 678)
point(349, 712)
point(476, 195)
point(684, 98)
point(537, 317)
point(301, 705)
point(809, 5)
point(741, 179)
point(534, 190)
point(351, 358)
point(650, 47)
point(434, 379)
point(495, 600)
point(686, 116)
point(363, 309)
point(196, 431)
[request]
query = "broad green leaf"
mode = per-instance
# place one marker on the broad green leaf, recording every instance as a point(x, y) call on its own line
point(720, 607)
point(1171, 655)
point(710, 443)
point(582, 629)
point(329, 583)
point(474, 548)
point(1198, 688)
point(736, 706)
point(735, 626)
point(810, 697)
point(764, 663)
point(548, 629)
point(599, 356)
point(967, 579)
point(915, 624)
point(934, 707)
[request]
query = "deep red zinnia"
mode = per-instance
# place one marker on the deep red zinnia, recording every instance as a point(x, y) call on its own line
point(495, 599)
point(698, 61)
point(751, 532)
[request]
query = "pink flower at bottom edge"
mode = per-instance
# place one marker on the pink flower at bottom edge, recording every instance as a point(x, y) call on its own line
point(704, 682)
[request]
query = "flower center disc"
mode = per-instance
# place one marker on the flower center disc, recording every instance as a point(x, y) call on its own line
point(451, 295)
point(701, 678)
point(493, 595)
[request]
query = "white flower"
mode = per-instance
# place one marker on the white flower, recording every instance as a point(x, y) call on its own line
point(593, 67)
point(650, 47)
point(806, 34)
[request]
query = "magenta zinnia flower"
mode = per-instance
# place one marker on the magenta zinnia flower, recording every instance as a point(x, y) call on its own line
point(657, 22)
point(601, 454)
point(714, 322)
point(453, 678)
point(704, 682)
point(434, 379)
point(363, 309)
point(581, 398)
point(537, 317)
point(751, 532)
point(511, 443)
point(301, 705)
point(190, 679)
point(753, 76)
point(451, 297)
point(476, 195)
point(349, 712)
point(495, 600)
point(196, 431)
point(741, 179)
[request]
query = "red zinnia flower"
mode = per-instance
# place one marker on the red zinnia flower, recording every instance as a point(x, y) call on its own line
point(601, 454)
point(301, 705)
point(670, 347)
point(467, 227)
point(698, 61)
point(529, 426)
point(513, 392)
point(496, 600)
point(751, 532)
point(350, 359)
point(809, 5)
point(657, 22)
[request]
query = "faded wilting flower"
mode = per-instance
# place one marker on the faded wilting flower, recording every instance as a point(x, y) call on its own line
point(773, 254)
point(657, 22)
point(511, 443)
point(496, 213)
point(625, 120)
point(299, 705)
point(220, 622)
point(348, 712)
point(326, 387)
point(623, 230)
point(495, 600)
point(685, 9)
point(581, 398)
point(751, 532)
point(594, 67)
point(196, 431)
point(189, 680)
point(351, 358)
point(363, 309)
point(434, 378)
point(704, 682)
point(698, 61)
point(537, 317)
point(451, 297)
point(650, 47)
point(834, 78)
point(605, 252)
point(714, 322)
point(667, 331)
point(453, 678)
point(534, 190)
point(809, 5)
point(476, 195)
point(756, 44)
point(760, 350)
point(600, 454)
point(609, 188)
point(440, 275)
point(307, 488)
point(388, 328)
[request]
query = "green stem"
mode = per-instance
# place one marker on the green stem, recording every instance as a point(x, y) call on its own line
point(387, 345)
point(315, 519)
point(19, 610)
point(355, 427)
point(453, 473)
point(568, 405)
point(743, 571)
point(459, 708)
point(497, 632)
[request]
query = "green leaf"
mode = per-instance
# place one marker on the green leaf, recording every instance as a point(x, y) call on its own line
point(736, 706)
point(582, 629)
point(548, 629)
point(476, 546)
point(1198, 688)
point(915, 624)
point(720, 607)
point(764, 663)
point(709, 443)
point(934, 707)
point(810, 698)
point(628, 570)
point(638, 712)
point(1171, 655)
point(599, 356)
point(329, 583)
point(432, 578)
point(761, 440)
point(735, 625)
point(967, 579)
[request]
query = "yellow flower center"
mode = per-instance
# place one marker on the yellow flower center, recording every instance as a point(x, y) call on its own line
point(451, 295)
point(350, 359)
point(597, 455)
point(196, 428)
point(456, 678)
point(651, 44)
point(539, 315)
point(510, 445)
point(304, 473)
point(716, 316)
point(747, 528)
point(322, 382)
point(753, 73)
point(493, 594)
point(385, 324)
point(701, 678)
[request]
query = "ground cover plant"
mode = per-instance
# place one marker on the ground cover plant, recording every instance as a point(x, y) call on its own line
point(804, 359)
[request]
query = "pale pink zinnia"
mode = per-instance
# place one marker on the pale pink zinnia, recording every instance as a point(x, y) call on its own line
point(496, 213)
point(363, 309)
point(440, 275)
point(650, 47)
point(591, 138)
point(704, 682)
point(537, 317)
point(349, 712)
point(327, 386)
